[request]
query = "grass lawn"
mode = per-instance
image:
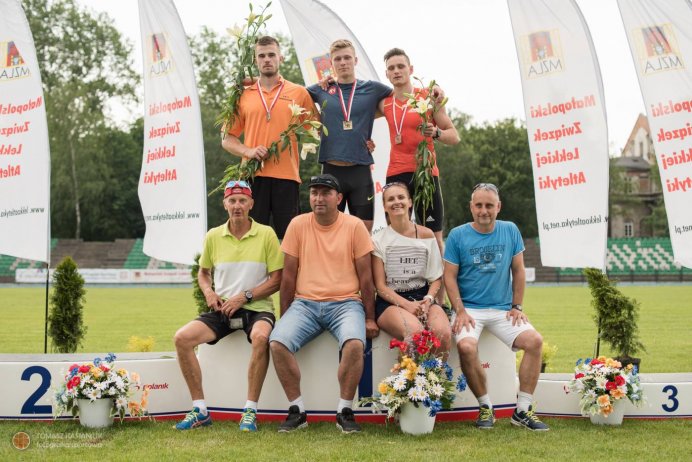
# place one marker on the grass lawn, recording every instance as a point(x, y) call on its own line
point(568, 439)
point(562, 314)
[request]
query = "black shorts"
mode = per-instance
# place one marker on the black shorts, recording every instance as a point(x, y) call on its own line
point(416, 294)
point(357, 187)
point(275, 199)
point(243, 319)
point(434, 216)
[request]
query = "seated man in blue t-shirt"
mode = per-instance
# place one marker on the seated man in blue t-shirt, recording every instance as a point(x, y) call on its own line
point(349, 114)
point(479, 258)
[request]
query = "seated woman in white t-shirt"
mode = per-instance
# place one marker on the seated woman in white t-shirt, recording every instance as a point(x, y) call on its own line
point(407, 269)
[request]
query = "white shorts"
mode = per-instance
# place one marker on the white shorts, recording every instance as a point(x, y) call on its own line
point(496, 322)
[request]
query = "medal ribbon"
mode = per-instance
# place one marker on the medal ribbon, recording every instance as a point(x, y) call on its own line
point(403, 116)
point(276, 98)
point(347, 114)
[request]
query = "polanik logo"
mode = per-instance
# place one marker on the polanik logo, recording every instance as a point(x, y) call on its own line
point(541, 54)
point(12, 65)
point(657, 49)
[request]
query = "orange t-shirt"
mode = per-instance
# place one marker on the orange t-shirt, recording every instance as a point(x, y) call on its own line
point(402, 156)
point(327, 256)
point(252, 120)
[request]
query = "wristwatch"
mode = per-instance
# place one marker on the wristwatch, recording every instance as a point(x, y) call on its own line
point(437, 134)
point(248, 296)
point(517, 306)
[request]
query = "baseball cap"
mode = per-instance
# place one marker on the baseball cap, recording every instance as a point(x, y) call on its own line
point(327, 180)
point(237, 187)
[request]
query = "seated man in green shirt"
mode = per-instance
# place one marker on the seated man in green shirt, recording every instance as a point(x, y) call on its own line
point(247, 263)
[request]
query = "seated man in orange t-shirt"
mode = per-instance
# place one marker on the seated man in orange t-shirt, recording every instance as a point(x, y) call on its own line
point(263, 113)
point(326, 285)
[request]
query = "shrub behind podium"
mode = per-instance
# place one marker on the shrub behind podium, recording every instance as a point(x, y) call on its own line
point(66, 322)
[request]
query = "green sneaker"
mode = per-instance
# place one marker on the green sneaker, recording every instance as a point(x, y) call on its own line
point(528, 420)
point(486, 417)
point(248, 422)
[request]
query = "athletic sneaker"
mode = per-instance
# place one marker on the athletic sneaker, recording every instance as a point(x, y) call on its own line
point(346, 421)
point(194, 419)
point(528, 420)
point(294, 420)
point(486, 417)
point(248, 422)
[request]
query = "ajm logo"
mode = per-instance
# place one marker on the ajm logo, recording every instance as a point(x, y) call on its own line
point(658, 49)
point(541, 54)
point(12, 65)
point(160, 54)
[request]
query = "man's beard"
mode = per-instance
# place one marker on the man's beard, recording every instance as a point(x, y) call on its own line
point(268, 73)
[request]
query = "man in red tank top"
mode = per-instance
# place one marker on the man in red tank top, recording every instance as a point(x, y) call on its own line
point(404, 137)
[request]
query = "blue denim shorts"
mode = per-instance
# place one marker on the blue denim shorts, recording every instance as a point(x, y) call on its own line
point(306, 319)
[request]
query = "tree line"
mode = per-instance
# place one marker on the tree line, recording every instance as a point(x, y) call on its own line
point(87, 70)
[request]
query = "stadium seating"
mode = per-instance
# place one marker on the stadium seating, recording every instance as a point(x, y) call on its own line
point(90, 255)
point(138, 260)
point(9, 264)
point(638, 256)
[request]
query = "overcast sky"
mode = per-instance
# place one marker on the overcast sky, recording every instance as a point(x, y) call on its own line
point(465, 45)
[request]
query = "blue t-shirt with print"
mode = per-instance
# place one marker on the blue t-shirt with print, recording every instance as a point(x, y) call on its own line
point(484, 262)
point(348, 145)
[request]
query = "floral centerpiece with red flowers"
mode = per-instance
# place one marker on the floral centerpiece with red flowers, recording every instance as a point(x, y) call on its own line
point(602, 382)
point(99, 379)
point(420, 376)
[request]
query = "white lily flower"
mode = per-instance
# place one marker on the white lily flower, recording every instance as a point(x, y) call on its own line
point(314, 133)
point(296, 109)
point(422, 107)
point(308, 148)
point(236, 31)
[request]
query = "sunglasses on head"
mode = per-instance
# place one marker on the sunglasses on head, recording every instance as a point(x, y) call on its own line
point(237, 184)
point(489, 186)
point(394, 183)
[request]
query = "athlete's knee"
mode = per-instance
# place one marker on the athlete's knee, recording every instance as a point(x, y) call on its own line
point(467, 348)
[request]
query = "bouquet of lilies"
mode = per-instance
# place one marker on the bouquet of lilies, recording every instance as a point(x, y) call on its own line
point(425, 106)
point(245, 36)
point(301, 127)
point(602, 382)
point(99, 379)
point(420, 377)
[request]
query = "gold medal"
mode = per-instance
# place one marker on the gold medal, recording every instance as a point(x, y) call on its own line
point(348, 124)
point(397, 138)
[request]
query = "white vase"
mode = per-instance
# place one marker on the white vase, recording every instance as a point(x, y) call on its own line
point(614, 418)
point(95, 414)
point(416, 420)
